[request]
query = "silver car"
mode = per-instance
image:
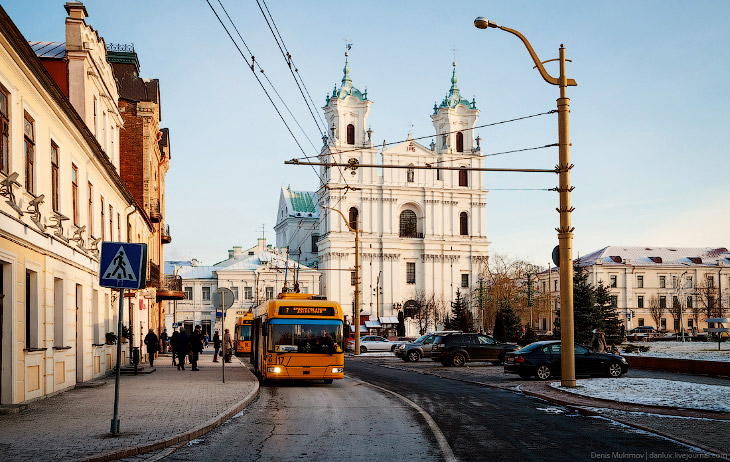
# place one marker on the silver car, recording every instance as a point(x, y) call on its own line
point(373, 343)
point(419, 348)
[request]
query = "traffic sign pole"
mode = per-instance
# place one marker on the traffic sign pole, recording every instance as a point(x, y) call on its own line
point(115, 418)
point(223, 329)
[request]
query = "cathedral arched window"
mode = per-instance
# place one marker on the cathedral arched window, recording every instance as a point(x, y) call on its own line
point(353, 217)
point(459, 142)
point(410, 173)
point(463, 177)
point(463, 224)
point(408, 224)
point(350, 134)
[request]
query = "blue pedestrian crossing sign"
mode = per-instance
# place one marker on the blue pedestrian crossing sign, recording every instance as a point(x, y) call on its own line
point(123, 265)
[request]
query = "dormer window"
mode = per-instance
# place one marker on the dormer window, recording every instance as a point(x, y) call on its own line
point(459, 142)
point(350, 134)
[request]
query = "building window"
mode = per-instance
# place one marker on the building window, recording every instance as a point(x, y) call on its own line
point(408, 224)
point(662, 282)
point(58, 312)
point(206, 293)
point(95, 122)
point(91, 210)
point(103, 238)
point(304, 289)
point(410, 173)
point(75, 194)
point(640, 282)
point(464, 280)
point(463, 224)
point(690, 302)
point(353, 217)
point(4, 132)
point(32, 318)
point(664, 324)
point(641, 322)
point(188, 293)
point(353, 278)
point(459, 142)
point(662, 302)
point(410, 272)
point(29, 148)
point(54, 176)
point(613, 281)
point(688, 282)
point(269, 292)
point(111, 222)
point(438, 174)
point(614, 301)
point(463, 177)
point(235, 293)
point(710, 281)
point(119, 227)
point(555, 285)
point(315, 238)
point(350, 134)
point(248, 293)
point(640, 301)
point(690, 323)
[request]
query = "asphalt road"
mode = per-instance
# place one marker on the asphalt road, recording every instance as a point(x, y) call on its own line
point(347, 420)
point(484, 423)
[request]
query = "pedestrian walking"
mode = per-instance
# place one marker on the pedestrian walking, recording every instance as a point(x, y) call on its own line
point(599, 341)
point(153, 344)
point(173, 339)
point(182, 347)
point(196, 346)
point(227, 346)
point(165, 340)
point(205, 340)
point(216, 346)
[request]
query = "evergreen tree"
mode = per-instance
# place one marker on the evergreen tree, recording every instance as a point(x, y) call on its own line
point(401, 328)
point(499, 333)
point(528, 337)
point(461, 318)
point(592, 309)
point(512, 323)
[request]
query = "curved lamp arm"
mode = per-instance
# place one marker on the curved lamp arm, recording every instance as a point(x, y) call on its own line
point(343, 217)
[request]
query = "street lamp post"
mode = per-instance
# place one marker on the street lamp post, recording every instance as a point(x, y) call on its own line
point(356, 319)
point(565, 231)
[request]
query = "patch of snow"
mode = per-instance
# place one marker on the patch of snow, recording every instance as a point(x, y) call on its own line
point(706, 351)
point(654, 392)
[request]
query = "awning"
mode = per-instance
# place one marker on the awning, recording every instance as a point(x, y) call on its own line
point(372, 324)
point(362, 328)
point(389, 319)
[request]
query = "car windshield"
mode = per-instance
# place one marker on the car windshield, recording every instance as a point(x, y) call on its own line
point(529, 348)
point(420, 339)
point(304, 336)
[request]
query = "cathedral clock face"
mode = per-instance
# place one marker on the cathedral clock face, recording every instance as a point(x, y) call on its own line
point(353, 162)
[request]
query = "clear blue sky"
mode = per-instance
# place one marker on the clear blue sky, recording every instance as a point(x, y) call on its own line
point(649, 120)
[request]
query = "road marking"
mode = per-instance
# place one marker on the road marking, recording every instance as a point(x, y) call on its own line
point(440, 438)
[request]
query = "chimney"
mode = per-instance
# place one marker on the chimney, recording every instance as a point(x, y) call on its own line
point(230, 253)
point(194, 262)
point(237, 251)
point(76, 10)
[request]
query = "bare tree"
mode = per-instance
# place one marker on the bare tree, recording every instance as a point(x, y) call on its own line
point(708, 299)
point(677, 310)
point(656, 310)
point(431, 311)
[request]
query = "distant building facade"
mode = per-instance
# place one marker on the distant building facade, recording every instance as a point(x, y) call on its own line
point(423, 230)
point(297, 225)
point(682, 286)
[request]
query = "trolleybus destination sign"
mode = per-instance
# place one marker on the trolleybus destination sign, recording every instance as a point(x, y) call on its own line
point(307, 310)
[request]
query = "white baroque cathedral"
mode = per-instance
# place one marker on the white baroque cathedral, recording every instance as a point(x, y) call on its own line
point(422, 230)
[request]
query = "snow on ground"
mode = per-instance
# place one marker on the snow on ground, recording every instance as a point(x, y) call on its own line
point(654, 392)
point(684, 350)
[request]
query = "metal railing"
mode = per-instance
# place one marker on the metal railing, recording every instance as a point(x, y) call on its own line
point(171, 282)
point(154, 278)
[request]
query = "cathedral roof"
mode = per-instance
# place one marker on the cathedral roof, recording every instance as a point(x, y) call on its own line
point(346, 88)
point(454, 98)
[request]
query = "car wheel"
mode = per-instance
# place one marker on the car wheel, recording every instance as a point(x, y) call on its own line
point(524, 375)
point(615, 370)
point(543, 372)
point(413, 356)
point(393, 348)
point(363, 349)
point(458, 360)
point(327, 380)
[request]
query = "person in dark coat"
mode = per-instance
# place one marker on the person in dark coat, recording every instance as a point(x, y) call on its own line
point(164, 339)
point(153, 345)
point(196, 346)
point(173, 339)
point(182, 347)
point(216, 346)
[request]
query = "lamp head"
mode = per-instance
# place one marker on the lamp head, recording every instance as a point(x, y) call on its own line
point(482, 23)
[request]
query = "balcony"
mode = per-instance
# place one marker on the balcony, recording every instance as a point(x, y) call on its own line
point(166, 237)
point(155, 214)
point(411, 235)
point(171, 288)
point(154, 275)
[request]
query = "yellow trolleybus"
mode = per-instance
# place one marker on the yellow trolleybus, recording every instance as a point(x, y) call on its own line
point(298, 336)
point(243, 334)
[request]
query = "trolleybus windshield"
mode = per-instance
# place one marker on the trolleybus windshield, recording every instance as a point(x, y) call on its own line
point(305, 336)
point(244, 332)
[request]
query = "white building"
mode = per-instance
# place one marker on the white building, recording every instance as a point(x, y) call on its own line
point(697, 279)
point(254, 275)
point(297, 225)
point(423, 230)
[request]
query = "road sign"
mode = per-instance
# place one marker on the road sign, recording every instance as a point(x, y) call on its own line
point(227, 297)
point(123, 265)
point(174, 325)
point(556, 256)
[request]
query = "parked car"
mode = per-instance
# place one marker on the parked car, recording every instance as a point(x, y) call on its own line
point(542, 359)
point(373, 343)
point(419, 348)
point(456, 349)
point(642, 333)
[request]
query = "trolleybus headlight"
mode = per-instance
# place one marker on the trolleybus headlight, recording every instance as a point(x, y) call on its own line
point(275, 370)
point(338, 370)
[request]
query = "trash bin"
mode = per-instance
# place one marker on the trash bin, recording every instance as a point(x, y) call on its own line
point(135, 355)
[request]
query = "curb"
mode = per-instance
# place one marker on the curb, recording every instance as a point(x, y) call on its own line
point(180, 438)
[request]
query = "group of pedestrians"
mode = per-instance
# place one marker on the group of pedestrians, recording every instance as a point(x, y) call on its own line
point(184, 346)
point(227, 342)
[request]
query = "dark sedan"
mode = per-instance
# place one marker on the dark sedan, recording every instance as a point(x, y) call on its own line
point(542, 359)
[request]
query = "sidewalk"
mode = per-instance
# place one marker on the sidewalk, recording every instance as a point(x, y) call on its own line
point(156, 410)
